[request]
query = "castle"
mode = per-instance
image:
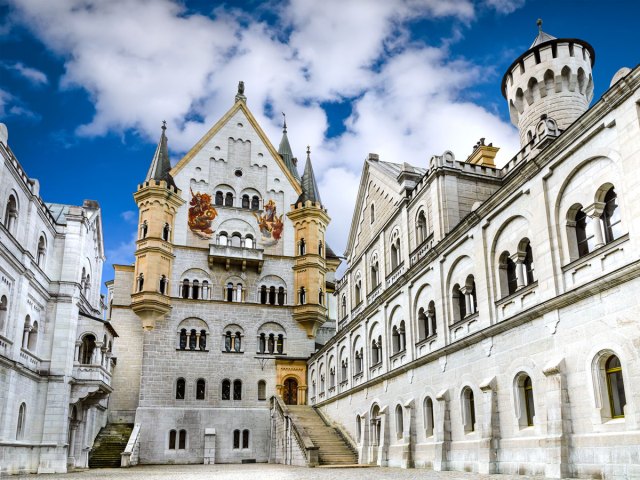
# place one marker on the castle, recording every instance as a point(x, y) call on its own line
point(485, 321)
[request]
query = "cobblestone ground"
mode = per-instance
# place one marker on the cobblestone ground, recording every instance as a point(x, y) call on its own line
point(264, 472)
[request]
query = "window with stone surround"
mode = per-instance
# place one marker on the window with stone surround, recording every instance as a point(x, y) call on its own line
point(237, 390)
point(262, 390)
point(427, 412)
point(11, 215)
point(4, 312)
point(399, 422)
point(22, 418)
point(172, 439)
point(236, 439)
point(144, 229)
point(42, 251)
point(226, 389)
point(245, 439)
point(200, 389)
point(180, 388)
point(87, 349)
point(468, 410)
point(182, 440)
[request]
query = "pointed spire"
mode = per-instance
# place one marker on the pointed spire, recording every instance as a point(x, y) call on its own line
point(160, 165)
point(542, 36)
point(285, 151)
point(310, 190)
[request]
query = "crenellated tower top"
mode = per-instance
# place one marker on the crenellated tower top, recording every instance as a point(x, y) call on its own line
point(551, 81)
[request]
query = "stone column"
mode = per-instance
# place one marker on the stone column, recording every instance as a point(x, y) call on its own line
point(594, 227)
point(76, 353)
point(521, 276)
point(363, 450)
point(489, 428)
point(556, 442)
point(383, 441)
point(428, 330)
point(25, 337)
point(407, 435)
point(442, 432)
point(197, 340)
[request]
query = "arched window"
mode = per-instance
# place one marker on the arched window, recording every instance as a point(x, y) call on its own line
point(183, 339)
point(185, 288)
point(195, 289)
point(228, 342)
point(344, 305)
point(245, 439)
point(236, 240)
point(280, 344)
point(372, 213)
point(87, 285)
point(219, 198)
point(229, 292)
point(182, 439)
point(459, 304)
point(228, 200)
point(223, 239)
point(399, 422)
point(271, 343)
point(508, 274)
point(163, 285)
point(4, 309)
point(358, 291)
point(529, 406)
point(469, 410)
point(303, 296)
point(431, 315)
point(144, 229)
point(237, 342)
point(272, 295)
point(203, 340)
point(22, 418)
point(236, 439)
point(87, 348)
point(421, 227)
point(320, 248)
point(321, 297)
point(262, 390)
point(226, 390)
point(395, 256)
point(375, 273)
point(246, 203)
point(165, 232)
point(205, 290)
point(470, 285)
point(358, 429)
point(584, 240)
point(358, 362)
point(172, 440)
point(262, 343)
point(302, 248)
point(611, 217)
point(395, 339)
point(140, 282)
point(528, 264)
point(343, 371)
point(332, 377)
point(248, 242)
point(255, 203)
point(237, 390)
point(180, 388)
point(238, 293)
point(42, 250)
point(11, 215)
point(193, 339)
point(615, 387)
point(281, 296)
point(263, 294)
point(428, 417)
point(200, 389)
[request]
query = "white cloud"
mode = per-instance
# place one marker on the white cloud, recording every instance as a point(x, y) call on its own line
point(13, 106)
point(34, 76)
point(122, 253)
point(505, 6)
point(144, 61)
point(129, 216)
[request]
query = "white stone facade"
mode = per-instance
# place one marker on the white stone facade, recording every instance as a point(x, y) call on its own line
point(55, 348)
point(489, 343)
point(234, 158)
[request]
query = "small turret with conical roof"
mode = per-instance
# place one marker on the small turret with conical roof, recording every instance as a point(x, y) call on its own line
point(158, 200)
point(284, 150)
point(549, 86)
point(310, 222)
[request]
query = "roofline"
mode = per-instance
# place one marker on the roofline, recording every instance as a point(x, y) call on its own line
point(538, 47)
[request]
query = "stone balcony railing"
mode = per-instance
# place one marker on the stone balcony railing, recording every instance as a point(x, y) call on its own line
point(421, 251)
point(91, 373)
point(29, 360)
point(357, 310)
point(228, 255)
point(375, 293)
point(395, 274)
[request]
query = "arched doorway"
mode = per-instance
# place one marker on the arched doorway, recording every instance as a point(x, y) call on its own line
point(290, 391)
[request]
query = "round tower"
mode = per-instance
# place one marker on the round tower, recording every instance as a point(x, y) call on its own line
point(552, 79)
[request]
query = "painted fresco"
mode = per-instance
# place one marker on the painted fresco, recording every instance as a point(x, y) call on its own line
point(201, 214)
point(270, 224)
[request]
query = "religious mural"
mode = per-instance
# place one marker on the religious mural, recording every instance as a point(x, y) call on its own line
point(270, 224)
point(201, 214)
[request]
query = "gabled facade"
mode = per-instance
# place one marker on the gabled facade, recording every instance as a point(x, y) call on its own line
point(55, 348)
point(486, 321)
point(227, 298)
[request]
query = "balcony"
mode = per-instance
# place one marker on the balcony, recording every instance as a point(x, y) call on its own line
point(422, 250)
point(464, 327)
point(237, 256)
point(29, 360)
point(518, 301)
point(395, 274)
point(375, 293)
point(91, 383)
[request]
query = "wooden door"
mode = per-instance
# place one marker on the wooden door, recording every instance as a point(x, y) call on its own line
point(290, 392)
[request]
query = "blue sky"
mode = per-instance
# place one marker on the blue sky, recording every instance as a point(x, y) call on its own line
point(84, 85)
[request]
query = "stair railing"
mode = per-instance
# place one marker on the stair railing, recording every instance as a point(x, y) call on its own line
point(292, 432)
point(131, 454)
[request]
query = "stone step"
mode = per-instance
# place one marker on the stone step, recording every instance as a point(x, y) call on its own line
point(109, 444)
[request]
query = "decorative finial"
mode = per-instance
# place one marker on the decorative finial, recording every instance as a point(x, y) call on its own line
point(539, 23)
point(240, 87)
point(284, 123)
point(164, 125)
point(308, 152)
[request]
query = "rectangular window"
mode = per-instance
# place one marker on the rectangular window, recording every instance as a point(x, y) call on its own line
point(183, 440)
point(236, 439)
point(245, 439)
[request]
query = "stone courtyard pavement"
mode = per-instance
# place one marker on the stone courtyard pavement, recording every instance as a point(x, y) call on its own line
point(262, 472)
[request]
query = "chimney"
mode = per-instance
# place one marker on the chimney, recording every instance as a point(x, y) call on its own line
point(483, 155)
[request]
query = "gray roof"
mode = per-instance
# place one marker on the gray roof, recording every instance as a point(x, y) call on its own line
point(287, 155)
point(310, 190)
point(160, 165)
point(542, 38)
point(394, 169)
point(58, 212)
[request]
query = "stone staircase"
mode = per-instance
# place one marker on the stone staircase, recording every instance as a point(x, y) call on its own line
point(333, 449)
point(109, 444)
